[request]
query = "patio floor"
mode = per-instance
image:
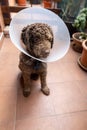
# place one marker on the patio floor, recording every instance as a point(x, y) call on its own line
point(64, 109)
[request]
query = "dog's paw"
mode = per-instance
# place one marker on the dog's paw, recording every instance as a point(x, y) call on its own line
point(26, 92)
point(45, 90)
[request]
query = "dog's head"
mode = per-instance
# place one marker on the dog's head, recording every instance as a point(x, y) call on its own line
point(38, 39)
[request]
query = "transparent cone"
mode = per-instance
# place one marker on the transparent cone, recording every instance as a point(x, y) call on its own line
point(40, 15)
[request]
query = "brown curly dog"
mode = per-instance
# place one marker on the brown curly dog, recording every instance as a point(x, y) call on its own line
point(38, 40)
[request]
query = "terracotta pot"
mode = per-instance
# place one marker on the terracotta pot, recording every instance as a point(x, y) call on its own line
point(21, 2)
point(83, 59)
point(77, 44)
point(47, 3)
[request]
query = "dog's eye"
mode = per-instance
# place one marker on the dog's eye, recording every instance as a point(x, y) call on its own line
point(34, 38)
point(37, 38)
point(31, 39)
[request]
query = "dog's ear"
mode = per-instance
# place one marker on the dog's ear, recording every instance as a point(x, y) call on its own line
point(31, 42)
point(27, 37)
point(23, 35)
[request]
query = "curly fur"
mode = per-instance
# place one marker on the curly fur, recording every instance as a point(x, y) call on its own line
point(38, 39)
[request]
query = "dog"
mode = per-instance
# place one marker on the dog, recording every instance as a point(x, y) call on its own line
point(38, 40)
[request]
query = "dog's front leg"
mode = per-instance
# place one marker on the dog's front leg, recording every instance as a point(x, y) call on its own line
point(44, 87)
point(26, 88)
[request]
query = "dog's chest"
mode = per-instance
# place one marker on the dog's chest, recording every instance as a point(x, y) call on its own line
point(29, 64)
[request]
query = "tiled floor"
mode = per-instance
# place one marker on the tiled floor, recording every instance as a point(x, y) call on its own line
point(64, 109)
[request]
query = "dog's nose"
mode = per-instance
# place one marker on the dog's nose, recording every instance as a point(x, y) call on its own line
point(47, 51)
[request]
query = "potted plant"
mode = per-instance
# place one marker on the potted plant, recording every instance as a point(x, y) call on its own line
point(47, 3)
point(82, 61)
point(21, 2)
point(80, 24)
point(78, 38)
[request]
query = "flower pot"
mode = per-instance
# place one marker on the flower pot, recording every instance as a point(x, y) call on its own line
point(21, 2)
point(47, 3)
point(83, 59)
point(77, 43)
